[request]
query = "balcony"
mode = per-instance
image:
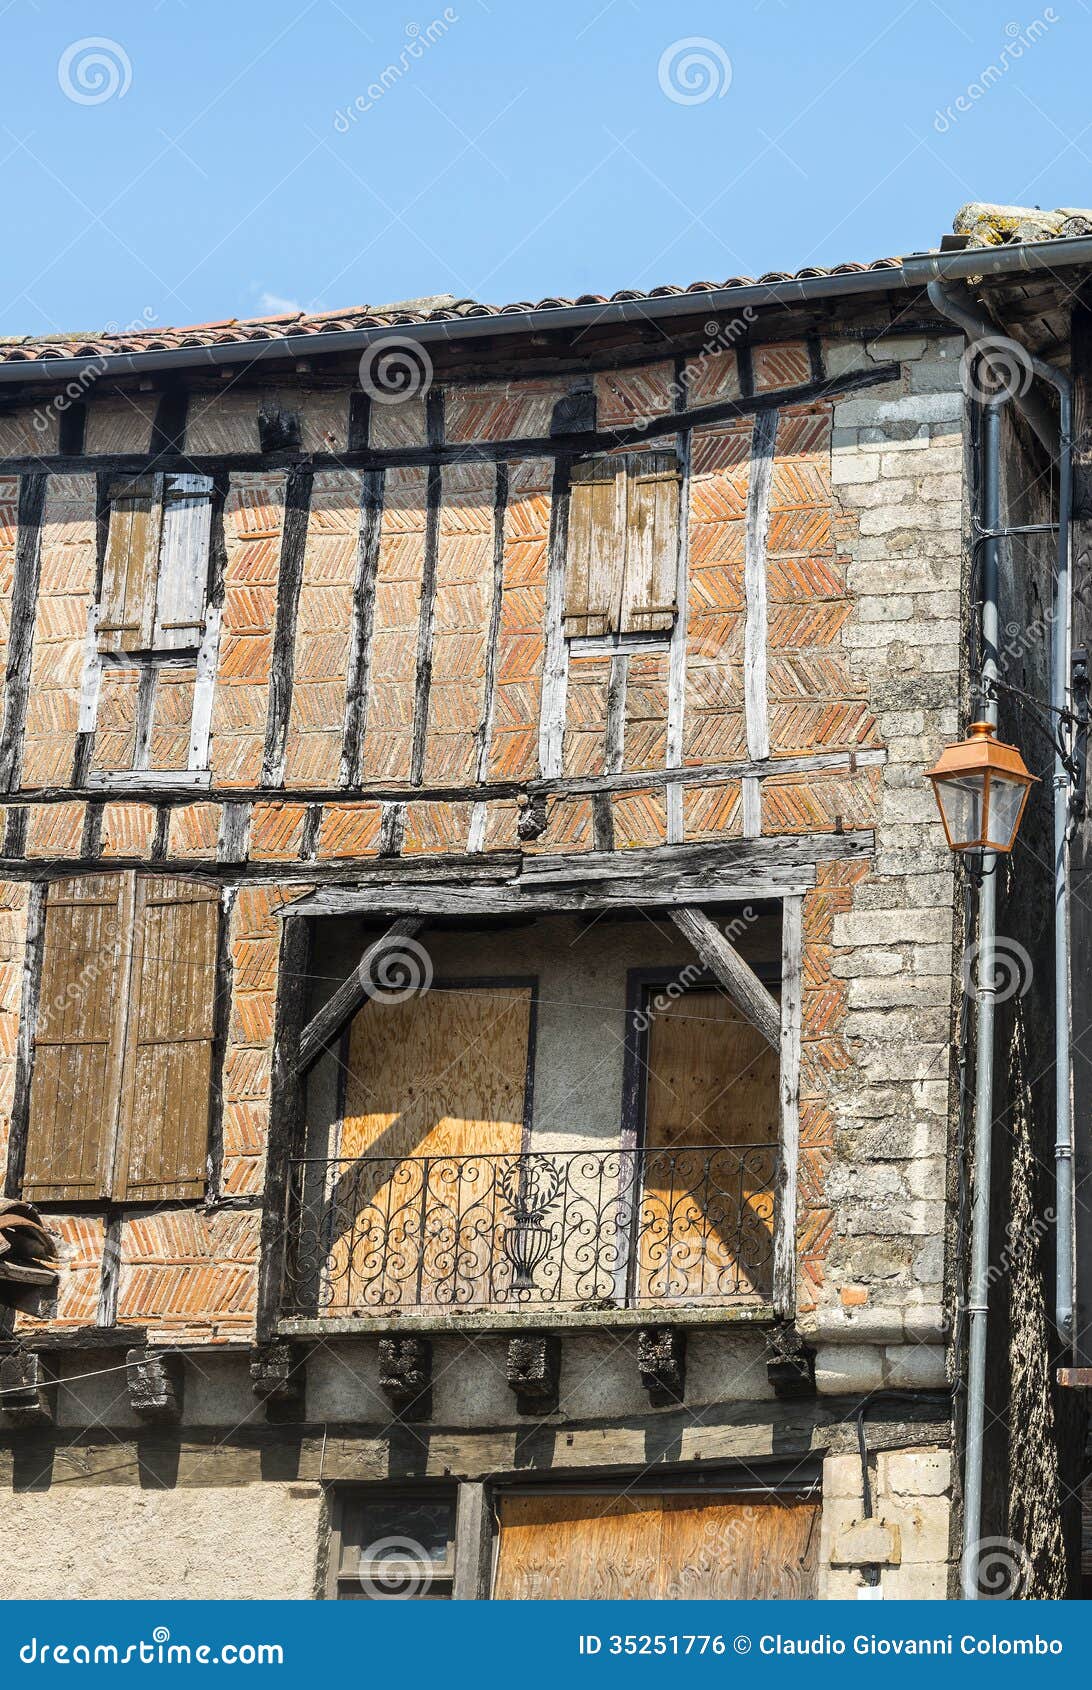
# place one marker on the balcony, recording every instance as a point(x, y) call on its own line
point(533, 1233)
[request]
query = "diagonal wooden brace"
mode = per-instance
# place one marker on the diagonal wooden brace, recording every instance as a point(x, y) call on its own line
point(739, 980)
point(324, 1029)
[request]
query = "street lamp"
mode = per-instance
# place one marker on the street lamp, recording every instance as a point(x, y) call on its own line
point(981, 787)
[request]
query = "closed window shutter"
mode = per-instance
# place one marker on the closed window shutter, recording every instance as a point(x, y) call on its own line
point(596, 547)
point(77, 1044)
point(183, 562)
point(652, 543)
point(127, 601)
point(168, 1066)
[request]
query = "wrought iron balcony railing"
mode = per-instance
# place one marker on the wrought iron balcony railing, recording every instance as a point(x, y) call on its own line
point(573, 1229)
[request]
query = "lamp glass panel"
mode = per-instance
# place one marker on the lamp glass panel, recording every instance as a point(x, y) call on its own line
point(1006, 797)
point(961, 804)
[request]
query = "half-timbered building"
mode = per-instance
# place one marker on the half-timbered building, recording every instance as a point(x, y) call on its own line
point(481, 1016)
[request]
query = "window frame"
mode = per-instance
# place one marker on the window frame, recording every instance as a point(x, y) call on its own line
point(343, 1498)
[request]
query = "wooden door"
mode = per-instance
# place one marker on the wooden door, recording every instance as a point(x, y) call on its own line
point(711, 1123)
point(558, 1546)
point(435, 1103)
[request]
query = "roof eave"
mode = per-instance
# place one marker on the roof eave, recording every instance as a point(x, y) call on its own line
point(448, 329)
point(911, 276)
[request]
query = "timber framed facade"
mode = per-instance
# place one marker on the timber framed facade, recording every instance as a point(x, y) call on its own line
point(479, 963)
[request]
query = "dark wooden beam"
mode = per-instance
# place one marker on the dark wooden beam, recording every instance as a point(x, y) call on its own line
point(324, 1029)
point(24, 606)
point(739, 980)
point(297, 506)
point(483, 451)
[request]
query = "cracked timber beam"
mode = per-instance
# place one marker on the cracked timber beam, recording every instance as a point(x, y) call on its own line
point(739, 980)
point(324, 1029)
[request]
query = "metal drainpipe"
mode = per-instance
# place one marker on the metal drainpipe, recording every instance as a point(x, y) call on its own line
point(1059, 444)
point(985, 995)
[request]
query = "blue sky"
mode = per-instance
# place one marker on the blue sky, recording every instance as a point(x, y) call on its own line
point(202, 159)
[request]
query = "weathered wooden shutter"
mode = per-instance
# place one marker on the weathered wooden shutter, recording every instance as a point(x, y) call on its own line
point(620, 573)
point(595, 558)
point(127, 601)
point(77, 1043)
point(168, 1060)
point(652, 543)
point(183, 562)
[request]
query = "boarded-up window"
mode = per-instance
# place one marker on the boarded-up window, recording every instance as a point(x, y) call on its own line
point(622, 558)
point(436, 1098)
point(557, 1546)
point(709, 1169)
point(119, 1101)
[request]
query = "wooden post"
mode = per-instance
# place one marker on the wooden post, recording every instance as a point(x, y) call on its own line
point(792, 971)
point(473, 1544)
point(286, 1118)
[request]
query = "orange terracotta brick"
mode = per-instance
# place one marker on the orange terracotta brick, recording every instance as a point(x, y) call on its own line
point(276, 831)
point(640, 819)
point(194, 831)
point(713, 812)
point(439, 827)
point(624, 397)
point(191, 1271)
point(350, 830)
point(821, 801)
point(55, 830)
point(80, 1241)
point(127, 829)
point(784, 365)
point(569, 827)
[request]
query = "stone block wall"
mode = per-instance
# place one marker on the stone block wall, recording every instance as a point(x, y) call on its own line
point(908, 1544)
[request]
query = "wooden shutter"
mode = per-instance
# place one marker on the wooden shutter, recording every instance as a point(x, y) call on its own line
point(620, 569)
point(168, 1063)
point(77, 1044)
point(652, 543)
point(127, 601)
point(183, 562)
point(595, 558)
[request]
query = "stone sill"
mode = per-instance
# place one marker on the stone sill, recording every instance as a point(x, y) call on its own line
point(488, 1321)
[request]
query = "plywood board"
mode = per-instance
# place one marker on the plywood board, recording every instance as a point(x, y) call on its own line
point(558, 1546)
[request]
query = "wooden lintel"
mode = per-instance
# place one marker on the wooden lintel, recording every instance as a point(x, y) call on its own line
point(740, 871)
point(738, 978)
point(325, 1028)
